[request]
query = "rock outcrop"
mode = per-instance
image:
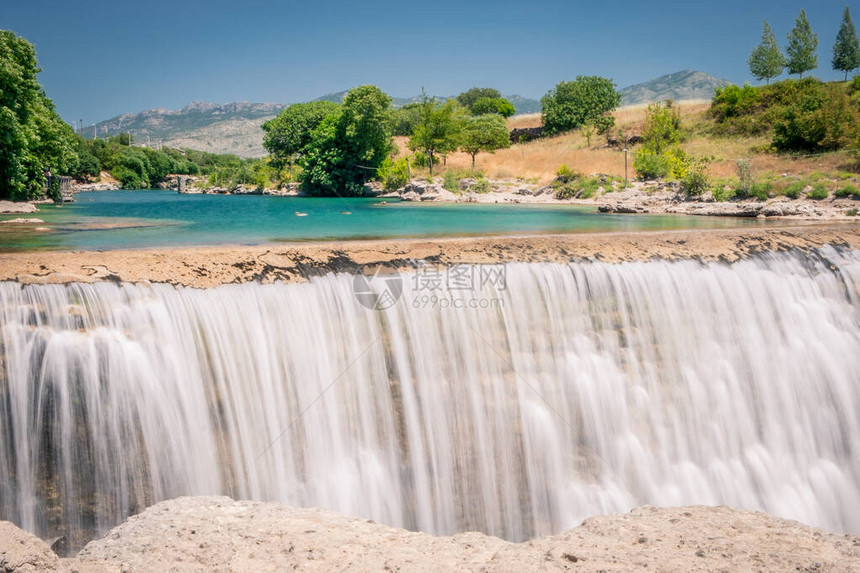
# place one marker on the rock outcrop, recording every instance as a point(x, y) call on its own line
point(9, 207)
point(219, 534)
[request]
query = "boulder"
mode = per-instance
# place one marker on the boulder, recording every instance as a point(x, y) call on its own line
point(21, 552)
point(8, 207)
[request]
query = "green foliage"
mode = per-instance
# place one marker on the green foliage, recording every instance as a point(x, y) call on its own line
point(438, 132)
point(760, 190)
point(847, 191)
point(569, 184)
point(695, 181)
point(482, 185)
point(818, 192)
point(484, 133)
point(287, 135)
point(846, 50)
point(348, 147)
point(745, 176)
point(766, 60)
point(794, 190)
point(824, 120)
point(722, 193)
point(451, 182)
point(650, 165)
point(404, 119)
point(468, 98)
point(499, 105)
point(802, 47)
point(570, 104)
point(662, 128)
point(35, 141)
point(393, 174)
point(851, 212)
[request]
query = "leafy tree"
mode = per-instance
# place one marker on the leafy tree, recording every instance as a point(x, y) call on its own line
point(404, 119)
point(348, 147)
point(846, 50)
point(484, 133)
point(288, 133)
point(497, 105)
point(439, 129)
point(571, 104)
point(468, 98)
point(802, 47)
point(662, 127)
point(33, 138)
point(766, 60)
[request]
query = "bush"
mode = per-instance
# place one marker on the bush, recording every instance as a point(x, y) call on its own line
point(570, 104)
point(575, 187)
point(451, 182)
point(848, 191)
point(393, 174)
point(695, 181)
point(818, 192)
point(482, 185)
point(794, 190)
point(651, 165)
point(745, 176)
point(851, 212)
point(760, 191)
point(722, 193)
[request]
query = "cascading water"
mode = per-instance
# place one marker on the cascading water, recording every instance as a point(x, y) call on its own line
point(565, 392)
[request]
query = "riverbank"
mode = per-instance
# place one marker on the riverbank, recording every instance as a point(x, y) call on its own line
point(219, 534)
point(205, 267)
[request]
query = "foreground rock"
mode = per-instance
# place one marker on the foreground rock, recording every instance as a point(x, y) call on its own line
point(219, 534)
point(9, 207)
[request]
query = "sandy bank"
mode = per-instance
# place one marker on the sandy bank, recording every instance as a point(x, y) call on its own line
point(219, 534)
point(210, 266)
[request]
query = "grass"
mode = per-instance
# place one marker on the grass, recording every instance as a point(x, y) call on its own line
point(537, 161)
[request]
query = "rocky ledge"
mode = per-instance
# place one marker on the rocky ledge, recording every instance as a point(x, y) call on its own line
point(219, 534)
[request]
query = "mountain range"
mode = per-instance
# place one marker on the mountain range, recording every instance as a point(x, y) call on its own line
point(235, 127)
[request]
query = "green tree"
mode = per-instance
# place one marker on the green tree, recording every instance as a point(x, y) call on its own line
point(439, 129)
point(846, 50)
point(802, 47)
point(404, 119)
point(662, 127)
point(468, 98)
point(766, 60)
point(33, 138)
point(571, 104)
point(347, 148)
point(484, 133)
point(287, 134)
point(497, 105)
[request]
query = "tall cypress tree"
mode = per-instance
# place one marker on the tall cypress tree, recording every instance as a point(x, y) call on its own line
point(802, 47)
point(846, 50)
point(766, 60)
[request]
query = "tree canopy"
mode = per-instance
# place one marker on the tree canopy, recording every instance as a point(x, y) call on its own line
point(766, 60)
point(571, 104)
point(484, 133)
point(802, 47)
point(438, 130)
point(498, 105)
point(348, 147)
point(468, 98)
point(287, 134)
point(35, 141)
point(846, 50)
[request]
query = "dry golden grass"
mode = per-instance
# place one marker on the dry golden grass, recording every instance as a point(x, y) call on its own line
point(539, 160)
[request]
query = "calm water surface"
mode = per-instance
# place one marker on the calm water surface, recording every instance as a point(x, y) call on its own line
point(132, 219)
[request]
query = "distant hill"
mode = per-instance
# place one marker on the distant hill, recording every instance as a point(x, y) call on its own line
point(684, 85)
point(227, 128)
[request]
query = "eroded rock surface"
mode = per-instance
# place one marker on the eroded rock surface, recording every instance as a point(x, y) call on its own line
point(219, 534)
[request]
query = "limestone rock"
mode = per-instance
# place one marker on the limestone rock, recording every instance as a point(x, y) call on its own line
point(7, 207)
point(21, 552)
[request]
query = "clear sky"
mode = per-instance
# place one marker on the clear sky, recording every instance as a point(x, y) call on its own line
point(101, 58)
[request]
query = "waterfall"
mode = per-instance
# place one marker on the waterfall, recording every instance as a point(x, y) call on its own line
point(517, 407)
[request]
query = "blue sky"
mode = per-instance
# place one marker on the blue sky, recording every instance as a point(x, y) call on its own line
point(101, 58)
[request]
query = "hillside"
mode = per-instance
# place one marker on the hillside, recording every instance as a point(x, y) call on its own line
point(680, 86)
point(227, 128)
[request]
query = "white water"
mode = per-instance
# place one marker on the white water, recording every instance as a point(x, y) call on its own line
point(589, 388)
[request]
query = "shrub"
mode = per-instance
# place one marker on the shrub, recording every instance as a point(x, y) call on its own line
point(651, 165)
point(760, 191)
point(577, 187)
point(794, 190)
point(818, 192)
point(848, 191)
point(451, 182)
point(745, 176)
point(695, 181)
point(482, 185)
point(851, 212)
point(722, 193)
point(393, 174)
point(565, 173)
